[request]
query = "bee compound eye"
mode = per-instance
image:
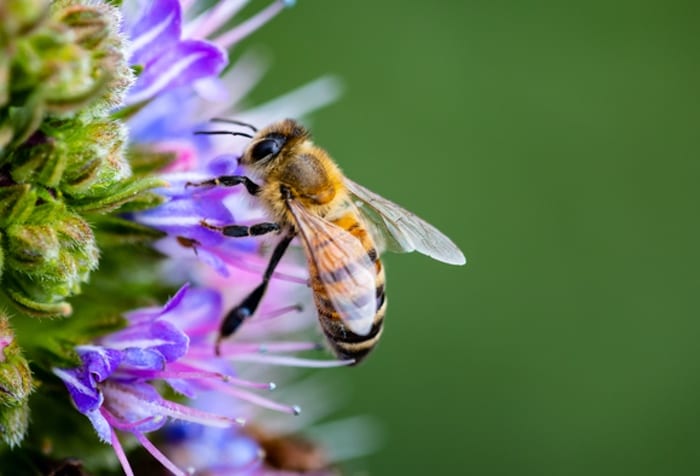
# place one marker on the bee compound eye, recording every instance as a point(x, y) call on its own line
point(265, 148)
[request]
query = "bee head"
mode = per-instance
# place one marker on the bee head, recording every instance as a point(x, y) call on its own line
point(272, 143)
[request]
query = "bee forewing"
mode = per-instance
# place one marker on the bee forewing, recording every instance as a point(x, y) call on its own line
point(343, 266)
point(402, 230)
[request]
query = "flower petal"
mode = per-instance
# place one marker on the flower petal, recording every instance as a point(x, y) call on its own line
point(84, 394)
point(179, 65)
point(158, 27)
point(98, 364)
point(98, 361)
point(104, 431)
point(160, 336)
point(143, 359)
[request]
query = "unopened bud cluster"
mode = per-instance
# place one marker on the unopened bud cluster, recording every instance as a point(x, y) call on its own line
point(62, 157)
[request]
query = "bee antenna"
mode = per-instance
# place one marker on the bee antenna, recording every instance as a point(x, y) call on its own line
point(234, 121)
point(230, 133)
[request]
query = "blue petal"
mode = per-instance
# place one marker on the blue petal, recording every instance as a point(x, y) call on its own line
point(98, 364)
point(183, 216)
point(158, 336)
point(102, 427)
point(144, 359)
point(179, 65)
point(81, 388)
point(174, 342)
point(183, 387)
point(135, 402)
point(176, 300)
point(157, 29)
point(203, 306)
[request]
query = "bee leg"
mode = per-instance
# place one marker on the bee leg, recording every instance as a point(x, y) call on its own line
point(237, 231)
point(247, 307)
point(228, 181)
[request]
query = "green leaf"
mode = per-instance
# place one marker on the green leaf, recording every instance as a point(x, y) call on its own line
point(116, 196)
point(113, 231)
point(36, 308)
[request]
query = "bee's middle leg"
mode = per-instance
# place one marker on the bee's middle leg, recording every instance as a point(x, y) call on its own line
point(238, 231)
point(229, 181)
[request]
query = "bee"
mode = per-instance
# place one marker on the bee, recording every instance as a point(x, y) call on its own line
point(291, 452)
point(343, 228)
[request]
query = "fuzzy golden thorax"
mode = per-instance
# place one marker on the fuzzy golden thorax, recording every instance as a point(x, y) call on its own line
point(288, 165)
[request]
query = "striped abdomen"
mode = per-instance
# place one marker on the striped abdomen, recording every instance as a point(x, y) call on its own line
point(345, 343)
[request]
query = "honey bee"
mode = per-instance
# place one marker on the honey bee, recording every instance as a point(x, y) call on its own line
point(343, 228)
point(291, 453)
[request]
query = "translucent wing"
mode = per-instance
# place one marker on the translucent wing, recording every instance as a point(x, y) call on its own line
point(402, 230)
point(346, 271)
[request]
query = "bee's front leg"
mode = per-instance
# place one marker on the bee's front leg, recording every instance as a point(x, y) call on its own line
point(228, 181)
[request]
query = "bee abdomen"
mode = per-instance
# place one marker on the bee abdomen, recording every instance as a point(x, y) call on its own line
point(345, 343)
point(337, 281)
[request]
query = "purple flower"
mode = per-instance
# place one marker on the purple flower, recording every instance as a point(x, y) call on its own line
point(166, 60)
point(114, 386)
point(186, 209)
point(168, 121)
point(117, 385)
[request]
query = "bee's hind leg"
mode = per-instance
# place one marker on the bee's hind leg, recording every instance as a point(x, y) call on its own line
point(247, 307)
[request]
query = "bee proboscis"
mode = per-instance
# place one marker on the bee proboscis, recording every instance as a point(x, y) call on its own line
point(343, 227)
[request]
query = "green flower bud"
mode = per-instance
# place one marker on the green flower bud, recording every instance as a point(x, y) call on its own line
point(16, 204)
point(59, 60)
point(89, 25)
point(15, 386)
point(31, 248)
point(62, 70)
point(48, 258)
point(39, 160)
point(79, 158)
point(94, 26)
point(14, 421)
point(96, 158)
point(20, 15)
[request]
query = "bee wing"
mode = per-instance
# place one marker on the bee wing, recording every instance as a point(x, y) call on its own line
point(343, 266)
point(402, 230)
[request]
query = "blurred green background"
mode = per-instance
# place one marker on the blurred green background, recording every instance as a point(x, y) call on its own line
point(557, 144)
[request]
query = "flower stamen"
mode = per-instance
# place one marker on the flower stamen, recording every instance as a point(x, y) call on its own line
point(286, 361)
point(162, 459)
point(257, 399)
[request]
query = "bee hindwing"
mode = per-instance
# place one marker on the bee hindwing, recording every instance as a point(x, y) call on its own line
point(402, 230)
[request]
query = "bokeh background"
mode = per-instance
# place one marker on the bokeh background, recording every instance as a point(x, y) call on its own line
point(557, 143)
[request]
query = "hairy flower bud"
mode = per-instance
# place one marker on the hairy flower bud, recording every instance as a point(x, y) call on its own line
point(48, 258)
point(80, 158)
point(95, 28)
point(58, 60)
point(15, 386)
point(96, 158)
point(20, 15)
